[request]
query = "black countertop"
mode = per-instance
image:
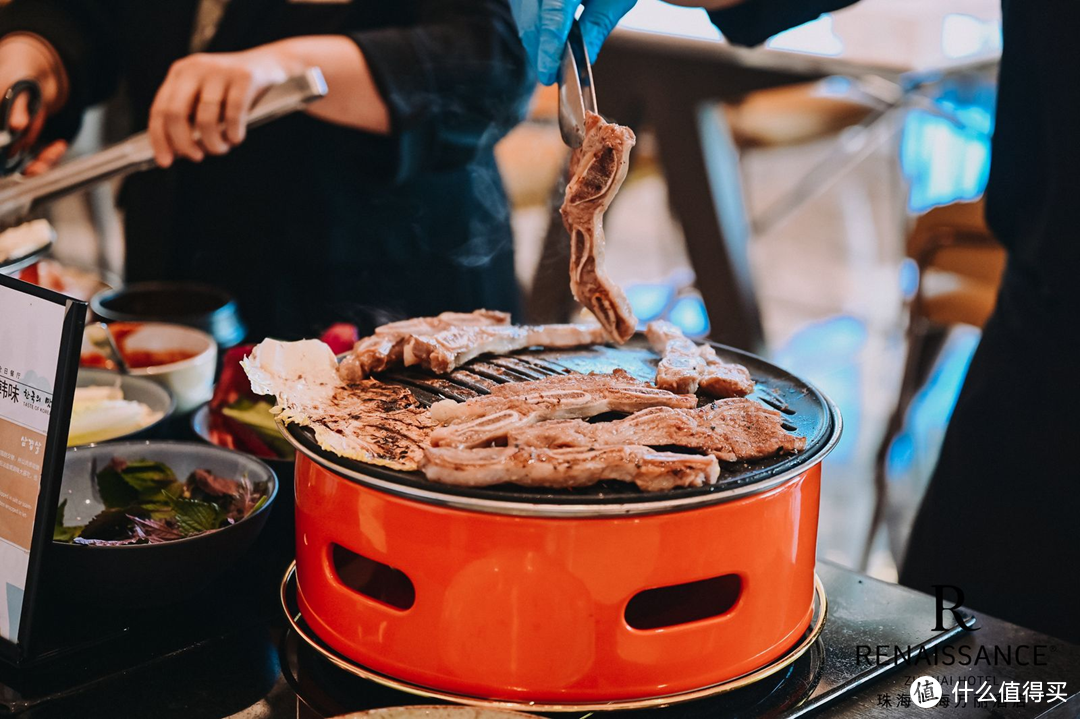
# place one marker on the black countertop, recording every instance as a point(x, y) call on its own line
point(235, 668)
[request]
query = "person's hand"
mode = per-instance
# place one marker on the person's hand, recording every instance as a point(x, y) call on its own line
point(28, 57)
point(544, 24)
point(203, 106)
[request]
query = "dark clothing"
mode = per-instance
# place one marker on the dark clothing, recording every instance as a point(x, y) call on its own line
point(1035, 175)
point(755, 21)
point(307, 222)
point(999, 517)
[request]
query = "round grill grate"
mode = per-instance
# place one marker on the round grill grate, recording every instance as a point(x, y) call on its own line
point(807, 414)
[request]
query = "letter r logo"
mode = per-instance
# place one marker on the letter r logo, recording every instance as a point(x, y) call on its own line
point(939, 596)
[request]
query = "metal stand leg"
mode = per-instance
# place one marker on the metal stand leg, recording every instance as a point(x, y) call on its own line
point(924, 344)
point(701, 164)
point(549, 297)
point(675, 89)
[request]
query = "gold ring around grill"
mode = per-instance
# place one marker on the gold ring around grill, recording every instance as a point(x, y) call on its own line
point(817, 623)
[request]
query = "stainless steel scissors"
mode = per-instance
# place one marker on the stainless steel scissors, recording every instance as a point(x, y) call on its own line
point(15, 151)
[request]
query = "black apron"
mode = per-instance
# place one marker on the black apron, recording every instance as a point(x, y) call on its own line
point(308, 223)
point(1000, 518)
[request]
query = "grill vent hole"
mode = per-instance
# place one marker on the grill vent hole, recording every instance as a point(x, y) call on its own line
point(772, 399)
point(374, 580)
point(683, 603)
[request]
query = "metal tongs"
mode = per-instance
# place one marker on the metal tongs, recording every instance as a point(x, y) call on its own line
point(576, 93)
point(20, 195)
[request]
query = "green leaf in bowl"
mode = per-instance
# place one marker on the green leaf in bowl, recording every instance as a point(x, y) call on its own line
point(62, 532)
point(115, 492)
point(147, 477)
point(194, 516)
point(257, 506)
point(109, 523)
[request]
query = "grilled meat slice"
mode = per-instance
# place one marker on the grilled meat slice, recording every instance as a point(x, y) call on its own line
point(483, 420)
point(484, 430)
point(372, 354)
point(650, 470)
point(368, 420)
point(593, 381)
point(731, 430)
point(681, 366)
point(375, 423)
point(597, 170)
point(386, 347)
point(724, 379)
point(618, 380)
point(428, 325)
point(686, 367)
point(556, 397)
point(446, 350)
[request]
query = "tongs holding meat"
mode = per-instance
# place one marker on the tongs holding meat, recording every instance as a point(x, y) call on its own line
point(20, 195)
point(577, 96)
point(598, 167)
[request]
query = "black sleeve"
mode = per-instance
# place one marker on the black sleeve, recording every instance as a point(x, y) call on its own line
point(755, 21)
point(455, 81)
point(84, 35)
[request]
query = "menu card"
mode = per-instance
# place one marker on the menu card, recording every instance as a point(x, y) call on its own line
point(40, 333)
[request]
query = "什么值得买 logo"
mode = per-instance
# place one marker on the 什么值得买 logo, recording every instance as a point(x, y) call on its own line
point(926, 692)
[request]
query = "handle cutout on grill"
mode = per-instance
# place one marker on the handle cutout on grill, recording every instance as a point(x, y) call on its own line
point(374, 580)
point(683, 603)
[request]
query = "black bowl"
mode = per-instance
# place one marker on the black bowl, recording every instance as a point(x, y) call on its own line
point(186, 303)
point(142, 575)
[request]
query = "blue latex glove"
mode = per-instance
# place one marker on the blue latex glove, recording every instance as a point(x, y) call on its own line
point(544, 24)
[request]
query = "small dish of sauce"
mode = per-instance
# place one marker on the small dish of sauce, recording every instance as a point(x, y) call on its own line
point(135, 358)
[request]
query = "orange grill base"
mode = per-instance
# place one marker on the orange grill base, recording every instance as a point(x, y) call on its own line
point(533, 608)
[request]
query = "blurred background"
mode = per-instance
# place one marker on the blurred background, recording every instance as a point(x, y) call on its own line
point(815, 199)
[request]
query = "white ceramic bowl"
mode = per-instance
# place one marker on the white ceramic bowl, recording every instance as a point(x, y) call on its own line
point(191, 381)
point(139, 389)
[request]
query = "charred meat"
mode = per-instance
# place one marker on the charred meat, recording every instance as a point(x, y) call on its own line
point(681, 366)
point(444, 343)
point(649, 469)
point(373, 422)
point(563, 396)
point(368, 420)
point(686, 367)
point(386, 348)
point(597, 170)
point(449, 349)
point(724, 379)
point(483, 420)
point(731, 430)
